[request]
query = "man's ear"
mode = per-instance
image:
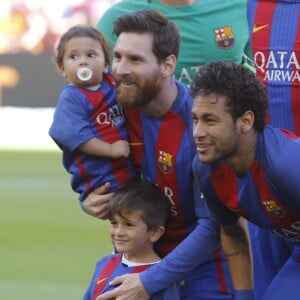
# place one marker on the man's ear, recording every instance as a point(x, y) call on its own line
point(247, 121)
point(168, 66)
point(157, 232)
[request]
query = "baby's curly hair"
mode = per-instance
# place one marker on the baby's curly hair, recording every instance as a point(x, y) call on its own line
point(243, 91)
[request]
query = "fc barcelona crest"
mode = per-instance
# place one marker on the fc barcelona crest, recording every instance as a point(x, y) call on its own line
point(224, 37)
point(165, 162)
point(273, 208)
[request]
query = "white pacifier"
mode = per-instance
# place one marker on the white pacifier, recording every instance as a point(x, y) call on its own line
point(84, 74)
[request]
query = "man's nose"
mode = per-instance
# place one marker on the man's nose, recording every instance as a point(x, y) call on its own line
point(199, 130)
point(121, 67)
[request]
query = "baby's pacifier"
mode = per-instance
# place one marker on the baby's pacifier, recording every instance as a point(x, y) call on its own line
point(84, 74)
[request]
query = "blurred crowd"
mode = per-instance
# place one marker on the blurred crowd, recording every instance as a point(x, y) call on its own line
point(35, 26)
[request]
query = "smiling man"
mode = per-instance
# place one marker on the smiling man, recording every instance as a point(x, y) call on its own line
point(158, 113)
point(246, 168)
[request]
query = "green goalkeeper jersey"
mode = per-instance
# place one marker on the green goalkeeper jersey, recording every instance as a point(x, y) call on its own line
point(210, 30)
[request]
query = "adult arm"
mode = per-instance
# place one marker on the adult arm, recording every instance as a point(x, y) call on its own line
point(233, 235)
point(236, 247)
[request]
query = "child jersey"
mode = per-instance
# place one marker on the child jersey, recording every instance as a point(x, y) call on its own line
point(112, 266)
point(81, 115)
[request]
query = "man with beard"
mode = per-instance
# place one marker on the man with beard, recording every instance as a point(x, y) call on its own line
point(159, 123)
point(246, 168)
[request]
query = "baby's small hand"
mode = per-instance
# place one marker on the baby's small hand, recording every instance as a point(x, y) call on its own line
point(120, 149)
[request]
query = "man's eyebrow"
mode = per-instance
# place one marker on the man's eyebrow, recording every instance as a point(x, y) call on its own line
point(207, 115)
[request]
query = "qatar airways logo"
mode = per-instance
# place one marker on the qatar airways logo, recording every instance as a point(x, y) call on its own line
point(114, 116)
point(291, 233)
point(187, 74)
point(282, 66)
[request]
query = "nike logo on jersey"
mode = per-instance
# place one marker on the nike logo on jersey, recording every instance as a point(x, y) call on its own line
point(136, 144)
point(101, 280)
point(260, 27)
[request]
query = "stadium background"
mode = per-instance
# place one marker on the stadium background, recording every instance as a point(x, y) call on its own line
point(48, 246)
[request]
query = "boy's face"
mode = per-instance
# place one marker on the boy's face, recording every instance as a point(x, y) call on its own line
point(130, 235)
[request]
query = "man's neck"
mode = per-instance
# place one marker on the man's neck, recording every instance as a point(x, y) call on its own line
point(244, 157)
point(163, 101)
point(178, 2)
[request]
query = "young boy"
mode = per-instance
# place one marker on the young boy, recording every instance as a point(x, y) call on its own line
point(88, 125)
point(138, 213)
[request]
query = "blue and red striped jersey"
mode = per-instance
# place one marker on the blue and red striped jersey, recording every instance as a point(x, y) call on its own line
point(268, 195)
point(83, 114)
point(163, 149)
point(275, 43)
point(110, 267)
